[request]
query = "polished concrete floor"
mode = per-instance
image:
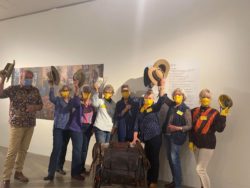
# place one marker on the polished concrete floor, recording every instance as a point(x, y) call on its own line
point(36, 168)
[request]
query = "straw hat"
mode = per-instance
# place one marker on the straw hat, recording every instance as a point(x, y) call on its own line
point(163, 65)
point(155, 75)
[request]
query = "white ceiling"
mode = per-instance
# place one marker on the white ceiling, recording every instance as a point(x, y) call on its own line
point(15, 8)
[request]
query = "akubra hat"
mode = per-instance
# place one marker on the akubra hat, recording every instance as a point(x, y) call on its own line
point(163, 65)
point(146, 80)
point(8, 69)
point(155, 75)
point(78, 75)
point(53, 76)
point(225, 101)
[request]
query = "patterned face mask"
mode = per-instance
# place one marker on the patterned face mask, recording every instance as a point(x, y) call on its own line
point(178, 99)
point(205, 101)
point(27, 82)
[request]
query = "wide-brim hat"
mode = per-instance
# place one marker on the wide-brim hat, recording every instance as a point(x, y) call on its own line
point(78, 75)
point(225, 101)
point(146, 80)
point(163, 65)
point(8, 69)
point(155, 75)
point(86, 88)
point(54, 76)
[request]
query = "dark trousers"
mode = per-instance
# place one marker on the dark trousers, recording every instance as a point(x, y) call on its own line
point(61, 160)
point(86, 134)
point(57, 145)
point(125, 130)
point(152, 150)
point(76, 138)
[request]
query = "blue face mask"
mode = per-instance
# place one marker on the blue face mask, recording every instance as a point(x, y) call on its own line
point(27, 82)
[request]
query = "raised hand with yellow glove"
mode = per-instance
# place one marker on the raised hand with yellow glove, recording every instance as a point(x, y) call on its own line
point(191, 146)
point(224, 111)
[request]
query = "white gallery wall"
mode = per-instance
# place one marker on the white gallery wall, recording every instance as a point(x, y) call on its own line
point(126, 36)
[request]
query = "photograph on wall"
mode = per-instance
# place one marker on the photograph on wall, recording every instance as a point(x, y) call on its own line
point(40, 80)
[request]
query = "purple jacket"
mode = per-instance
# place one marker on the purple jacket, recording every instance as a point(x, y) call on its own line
point(77, 113)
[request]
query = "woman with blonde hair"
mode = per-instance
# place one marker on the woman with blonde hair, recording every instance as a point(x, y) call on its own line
point(206, 122)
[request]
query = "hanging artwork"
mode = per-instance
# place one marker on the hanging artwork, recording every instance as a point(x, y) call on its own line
point(40, 80)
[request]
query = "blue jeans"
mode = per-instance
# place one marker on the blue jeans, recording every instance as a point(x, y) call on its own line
point(101, 136)
point(76, 138)
point(86, 134)
point(61, 160)
point(57, 145)
point(173, 154)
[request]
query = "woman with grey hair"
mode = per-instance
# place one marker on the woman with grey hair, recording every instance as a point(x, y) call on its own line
point(147, 129)
point(103, 125)
point(206, 121)
point(61, 122)
point(177, 123)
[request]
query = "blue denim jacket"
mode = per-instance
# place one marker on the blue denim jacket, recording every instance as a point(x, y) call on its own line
point(62, 111)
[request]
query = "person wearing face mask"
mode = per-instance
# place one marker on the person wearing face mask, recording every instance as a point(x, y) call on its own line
point(61, 124)
point(177, 123)
point(206, 121)
point(103, 125)
point(25, 101)
point(84, 116)
point(147, 129)
point(125, 114)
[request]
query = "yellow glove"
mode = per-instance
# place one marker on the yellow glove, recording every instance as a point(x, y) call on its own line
point(224, 112)
point(191, 146)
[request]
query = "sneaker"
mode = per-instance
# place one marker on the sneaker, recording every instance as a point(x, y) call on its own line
point(61, 171)
point(19, 176)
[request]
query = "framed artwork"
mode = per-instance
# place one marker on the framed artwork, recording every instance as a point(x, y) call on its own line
point(40, 80)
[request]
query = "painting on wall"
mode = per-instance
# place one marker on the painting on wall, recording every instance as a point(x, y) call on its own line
point(40, 80)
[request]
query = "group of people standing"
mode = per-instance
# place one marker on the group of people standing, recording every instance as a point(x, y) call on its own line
point(133, 119)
